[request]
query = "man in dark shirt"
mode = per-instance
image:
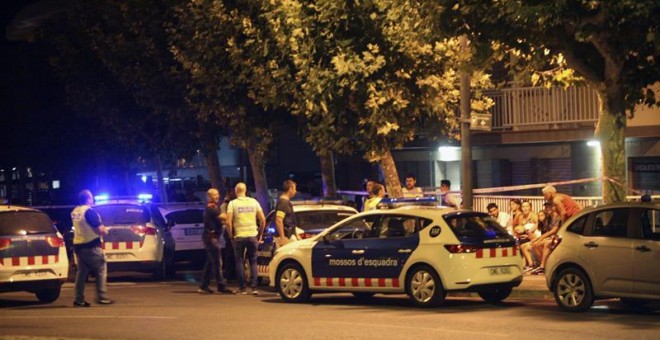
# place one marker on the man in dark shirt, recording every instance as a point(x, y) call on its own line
point(213, 231)
point(285, 218)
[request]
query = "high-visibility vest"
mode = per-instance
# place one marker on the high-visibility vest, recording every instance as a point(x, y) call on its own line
point(244, 216)
point(82, 231)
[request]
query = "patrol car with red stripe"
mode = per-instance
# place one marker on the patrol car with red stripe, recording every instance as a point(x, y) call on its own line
point(416, 248)
point(138, 238)
point(32, 253)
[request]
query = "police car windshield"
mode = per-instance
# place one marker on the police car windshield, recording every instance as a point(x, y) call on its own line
point(320, 219)
point(190, 216)
point(123, 214)
point(21, 223)
point(476, 228)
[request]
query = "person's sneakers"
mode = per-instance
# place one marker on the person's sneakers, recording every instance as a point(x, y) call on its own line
point(528, 269)
point(538, 271)
point(255, 291)
point(104, 301)
point(242, 291)
point(81, 304)
point(226, 291)
point(204, 291)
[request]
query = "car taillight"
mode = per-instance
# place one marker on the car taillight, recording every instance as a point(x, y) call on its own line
point(4, 243)
point(141, 230)
point(303, 236)
point(55, 241)
point(461, 249)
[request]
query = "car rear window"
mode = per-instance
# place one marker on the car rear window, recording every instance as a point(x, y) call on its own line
point(25, 223)
point(191, 216)
point(320, 219)
point(123, 214)
point(477, 228)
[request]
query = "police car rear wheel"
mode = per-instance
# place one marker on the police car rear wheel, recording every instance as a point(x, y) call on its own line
point(292, 283)
point(496, 296)
point(48, 295)
point(424, 287)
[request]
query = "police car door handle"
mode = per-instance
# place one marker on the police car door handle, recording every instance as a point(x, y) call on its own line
point(358, 252)
point(405, 251)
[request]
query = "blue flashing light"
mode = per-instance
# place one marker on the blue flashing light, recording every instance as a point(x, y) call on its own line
point(145, 197)
point(101, 197)
point(144, 179)
point(271, 230)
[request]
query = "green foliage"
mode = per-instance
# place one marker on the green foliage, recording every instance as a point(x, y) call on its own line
point(370, 72)
point(540, 40)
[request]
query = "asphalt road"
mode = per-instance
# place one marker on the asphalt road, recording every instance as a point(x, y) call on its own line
point(174, 310)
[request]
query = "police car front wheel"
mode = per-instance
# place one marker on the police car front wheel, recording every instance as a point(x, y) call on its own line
point(424, 287)
point(292, 283)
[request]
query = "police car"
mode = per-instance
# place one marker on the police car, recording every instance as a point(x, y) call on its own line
point(185, 221)
point(138, 238)
point(313, 217)
point(32, 253)
point(421, 250)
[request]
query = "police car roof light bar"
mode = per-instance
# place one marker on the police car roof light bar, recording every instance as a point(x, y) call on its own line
point(317, 202)
point(390, 203)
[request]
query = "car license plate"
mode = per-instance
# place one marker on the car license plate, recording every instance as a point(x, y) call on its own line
point(120, 256)
point(499, 271)
point(193, 231)
point(36, 275)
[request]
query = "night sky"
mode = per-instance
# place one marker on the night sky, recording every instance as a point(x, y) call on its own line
point(37, 129)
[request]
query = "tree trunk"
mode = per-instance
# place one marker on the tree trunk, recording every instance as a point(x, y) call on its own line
point(466, 146)
point(328, 173)
point(213, 163)
point(611, 133)
point(392, 182)
point(258, 165)
point(161, 183)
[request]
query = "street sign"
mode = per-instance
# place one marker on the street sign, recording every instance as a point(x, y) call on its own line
point(480, 122)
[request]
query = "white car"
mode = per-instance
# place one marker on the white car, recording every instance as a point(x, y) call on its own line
point(32, 253)
point(606, 252)
point(422, 251)
point(185, 221)
point(138, 238)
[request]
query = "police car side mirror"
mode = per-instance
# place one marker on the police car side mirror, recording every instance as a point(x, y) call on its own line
point(326, 239)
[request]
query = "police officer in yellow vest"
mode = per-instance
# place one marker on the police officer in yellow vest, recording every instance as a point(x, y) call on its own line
point(88, 229)
point(242, 215)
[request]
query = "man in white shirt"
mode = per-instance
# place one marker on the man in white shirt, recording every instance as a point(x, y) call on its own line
point(448, 199)
point(501, 217)
point(411, 190)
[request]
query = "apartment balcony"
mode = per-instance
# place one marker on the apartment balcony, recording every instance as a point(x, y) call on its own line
point(539, 114)
point(524, 108)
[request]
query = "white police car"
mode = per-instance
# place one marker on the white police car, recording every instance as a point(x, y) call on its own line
point(423, 251)
point(185, 221)
point(138, 238)
point(313, 217)
point(32, 253)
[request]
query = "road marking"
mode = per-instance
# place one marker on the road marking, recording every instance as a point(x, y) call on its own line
point(422, 328)
point(87, 317)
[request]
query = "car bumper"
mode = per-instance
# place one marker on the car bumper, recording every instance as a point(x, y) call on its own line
point(31, 286)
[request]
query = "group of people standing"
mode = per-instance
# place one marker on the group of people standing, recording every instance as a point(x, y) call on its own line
point(536, 231)
point(376, 192)
point(244, 221)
